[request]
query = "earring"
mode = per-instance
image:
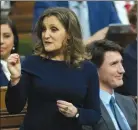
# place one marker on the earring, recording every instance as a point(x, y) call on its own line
point(13, 48)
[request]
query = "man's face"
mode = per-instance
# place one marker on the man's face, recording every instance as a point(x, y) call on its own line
point(111, 71)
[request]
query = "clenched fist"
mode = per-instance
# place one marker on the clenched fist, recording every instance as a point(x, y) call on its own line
point(14, 66)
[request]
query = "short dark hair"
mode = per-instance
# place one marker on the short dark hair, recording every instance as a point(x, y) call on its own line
point(8, 21)
point(98, 48)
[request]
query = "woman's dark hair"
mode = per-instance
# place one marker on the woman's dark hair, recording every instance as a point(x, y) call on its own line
point(97, 50)
point(8, 21)
point(74, 51)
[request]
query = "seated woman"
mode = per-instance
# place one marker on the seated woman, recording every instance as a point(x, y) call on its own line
point(8, 44)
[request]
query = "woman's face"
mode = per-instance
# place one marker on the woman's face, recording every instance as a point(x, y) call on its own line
point(6, 41)
point(54, 35)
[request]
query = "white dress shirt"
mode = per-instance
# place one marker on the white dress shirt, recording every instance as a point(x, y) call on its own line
point(105, 97)
point(81, 10)
point(121, 10)
point(5, 69)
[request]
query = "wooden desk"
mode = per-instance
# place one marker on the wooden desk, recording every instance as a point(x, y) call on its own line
point(9, 121)
point(3, 90)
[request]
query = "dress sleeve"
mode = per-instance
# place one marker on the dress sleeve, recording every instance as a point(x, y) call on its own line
point(16, 96)
point(90, 113)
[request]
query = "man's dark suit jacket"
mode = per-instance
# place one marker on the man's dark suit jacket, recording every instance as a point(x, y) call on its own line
point(128, 107)
point(130, 66)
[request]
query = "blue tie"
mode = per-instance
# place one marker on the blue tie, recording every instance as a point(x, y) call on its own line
point(117, 115)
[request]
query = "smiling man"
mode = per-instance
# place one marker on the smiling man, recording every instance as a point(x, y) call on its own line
point(118, 111)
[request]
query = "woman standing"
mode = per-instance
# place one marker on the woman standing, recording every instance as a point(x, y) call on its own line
point(62, 89)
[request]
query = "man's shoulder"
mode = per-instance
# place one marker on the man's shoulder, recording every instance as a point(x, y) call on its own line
point(125, 99)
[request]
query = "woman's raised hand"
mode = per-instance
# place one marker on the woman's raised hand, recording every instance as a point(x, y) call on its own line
point(14, 66)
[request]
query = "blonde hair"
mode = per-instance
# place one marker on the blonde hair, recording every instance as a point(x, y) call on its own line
point(74, 51)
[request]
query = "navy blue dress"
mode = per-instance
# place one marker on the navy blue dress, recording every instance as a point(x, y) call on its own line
point(45, 81)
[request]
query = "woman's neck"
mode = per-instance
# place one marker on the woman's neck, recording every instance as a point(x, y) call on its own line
point(4, 58)
point(58, 58)
point(54, 57)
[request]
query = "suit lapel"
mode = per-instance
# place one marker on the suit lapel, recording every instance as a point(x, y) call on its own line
point(106, 117)
point(120, 102)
